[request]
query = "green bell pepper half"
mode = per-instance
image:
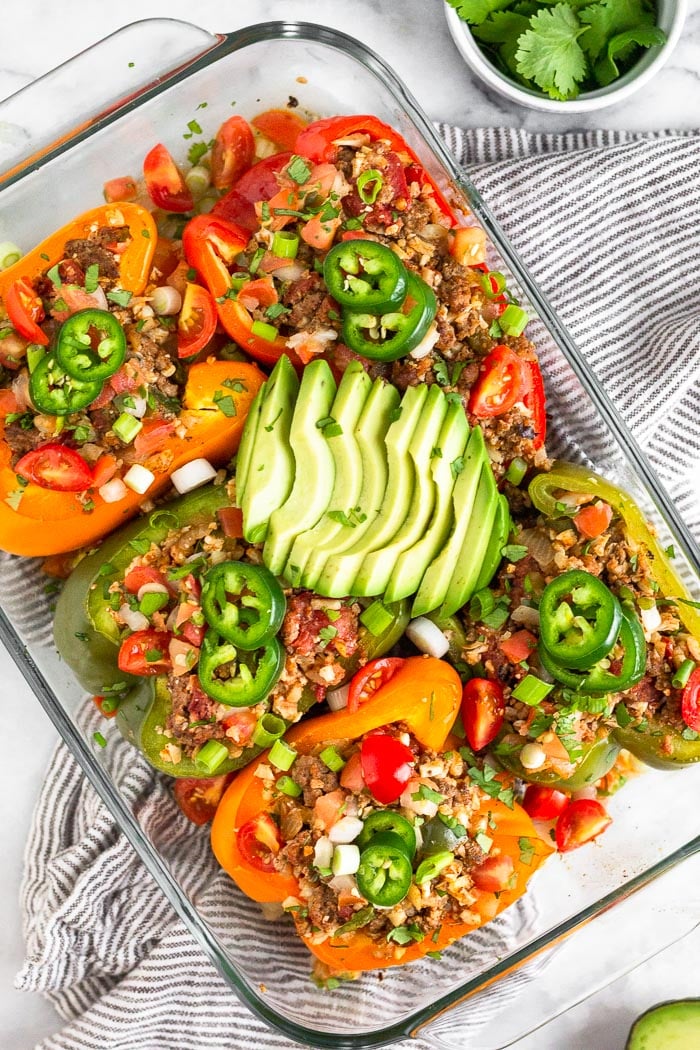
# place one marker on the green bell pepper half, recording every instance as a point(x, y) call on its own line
point(658, 745)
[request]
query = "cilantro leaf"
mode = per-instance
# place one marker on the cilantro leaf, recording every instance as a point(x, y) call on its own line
point(621, 46)
point(501, 27)
point(477, 11)
point(550, 54)
point(609, 17)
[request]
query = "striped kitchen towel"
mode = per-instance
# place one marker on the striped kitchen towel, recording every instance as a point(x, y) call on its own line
point(608, 224)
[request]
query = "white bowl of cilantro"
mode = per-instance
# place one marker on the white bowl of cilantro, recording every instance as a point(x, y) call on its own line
point(566, 55)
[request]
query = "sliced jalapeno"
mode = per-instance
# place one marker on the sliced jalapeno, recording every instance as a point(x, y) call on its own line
point(365, 275)
point(243, 603)
point(91, 345)
point(599, 679)
point(579, 619)
point(239, 679)
point(383, 336)
point(383, 820)
point(385, 873)
point(55, 393)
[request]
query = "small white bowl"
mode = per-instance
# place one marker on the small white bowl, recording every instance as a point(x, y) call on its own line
point(671, 16)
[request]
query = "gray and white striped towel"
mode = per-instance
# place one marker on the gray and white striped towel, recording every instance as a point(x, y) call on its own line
point(608, 223)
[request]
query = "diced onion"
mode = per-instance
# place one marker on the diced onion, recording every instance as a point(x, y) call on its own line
point(532, 756)
point(151, 588)
point(338, 698)
point(291, 272)
point(323, 852)
point(346, 859)
point(133, 619)
point(526, 615)
point(427, 637)
point(139, 479)
point(589, 791)
point(344, 884)
point(166, 301)
point(345, 830)
point(112, 491)
point(138, 408)
point(425, 807)
point(651, 619)
point(100, 298)
point(271, 910)
point(195, 473)
point(426, 344)
point(538, 546)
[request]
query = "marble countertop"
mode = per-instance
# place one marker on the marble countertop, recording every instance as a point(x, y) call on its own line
point(41, 34)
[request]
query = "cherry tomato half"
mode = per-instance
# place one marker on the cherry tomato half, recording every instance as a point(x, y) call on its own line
point(145, 653)
point(259, 183)
point(259, 840)
point(55, 467)
point(387, 766)
point(582, 821)
point(690, 701)
point(232, 153)
point(370, 678)
point(544, 803)
point(25, 310)
point(493, 874)
point(483, 709)
point(197, 321)
point(502, 382)
point(198, 797)
point(164, 181)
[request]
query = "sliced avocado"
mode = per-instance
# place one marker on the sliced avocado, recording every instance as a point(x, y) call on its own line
point(245, 449)
point(669, 1026)
point(344, 416)
point(377, 416)
point(471, 557)
point(411, 564)
point(437, 576)
point(314, 471)
point(499, 538)
point(377, 566)
point(270, 470)
point(341, 569)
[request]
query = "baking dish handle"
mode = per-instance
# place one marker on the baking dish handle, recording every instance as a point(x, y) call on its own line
point(92, 89)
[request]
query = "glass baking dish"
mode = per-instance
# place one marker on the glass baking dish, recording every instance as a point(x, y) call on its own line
point(153, 78)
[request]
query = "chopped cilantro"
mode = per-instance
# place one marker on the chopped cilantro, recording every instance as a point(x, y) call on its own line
point(196, 151)
point(457, 466)
point(486, 780)
point(514, 551)
point(426, 794)
point(527, 849)
point(298, 170)
point(457, 829)
point(405, 934)
point(120, 297)
point(275, 310)
point(92, 275)
point(327, 634)
point(225, 404)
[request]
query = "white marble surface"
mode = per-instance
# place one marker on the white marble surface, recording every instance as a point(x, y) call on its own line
point(41, 34)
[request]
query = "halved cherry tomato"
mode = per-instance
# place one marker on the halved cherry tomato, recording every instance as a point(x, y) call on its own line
point(198, 797)
point(593, 520)
point(544, 803)
point(493, 874)
point(232, 153)
point(534, 400)
point(140, 575)
point(259, 183)
point(259, 840)
point(25, 310)
point(483, 709)
point(145, 653)
point(281, 126)
point(503, 381)
point(55, 467)
point(519, 646)
point(98, 701)
point(370, 678)
point(164, 181)
point(120, 189)
point(387, 766)
point(690, 701)
point(231, 519)
point(582, 821)
point(197, 321)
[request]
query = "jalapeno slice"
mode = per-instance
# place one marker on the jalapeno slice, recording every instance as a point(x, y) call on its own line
point(365, 275)
point(385, 820)
point(385, 336)
point(91, 345)
point(385, 872)
point(55, 393)
point(599, 679)
point(243, 603)
point(579, 620)
point(239, 679)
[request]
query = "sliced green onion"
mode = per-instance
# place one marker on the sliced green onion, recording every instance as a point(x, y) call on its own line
point(9, 254)
point(212, 755)
point(282, 756)
point(265, 331)
point(198, 180)
point(493, 284)
point(288, 787)
point(680, 678)
point(647, 603)
point(268, 729)
point(126, 427)
point(482, 603)
point(432, 866)
point(205, 204)
point(285, 245)
point(34, 355)
point(513, 320)
point(369, 183)
point(376, 618)
point(531, 690)
point(330, 757)
point(99, 739)
point(152, 601)
point(109, 704)
point(517, 469)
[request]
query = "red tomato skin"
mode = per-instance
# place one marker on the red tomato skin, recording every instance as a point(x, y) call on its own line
point(519, 646)
point(281, 126)
point(197, 321)
point(387, 766)
point(492, 874)
point(25, 310)
point(55, 467)
point(502, 382)
point(690, 701)
point(198, 797)
point(232, 153)
point(581, 822)
point(142, 574)
point(483, 711)
point(259, 840)
point(544, 803)
point(534, 400)
point(164, 181)
point(132, 653)
point(370, 678)
point(259, 183)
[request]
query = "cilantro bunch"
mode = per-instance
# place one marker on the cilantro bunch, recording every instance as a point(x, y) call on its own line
point(562, 48)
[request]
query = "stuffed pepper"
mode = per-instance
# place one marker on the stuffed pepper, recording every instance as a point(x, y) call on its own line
point(175, 622)
point(367, 827)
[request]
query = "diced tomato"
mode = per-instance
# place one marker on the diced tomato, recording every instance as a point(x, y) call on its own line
point(259, 183)
point(690, 701)
point(260, 292)
point(519, 646)
point(184, 656)
point(493, 874)
point(483, 710)
point(351, 775)
point(123, 381)
point(55, 467)
point(232, 153)
point(197, 321)
point(104, 469)
point(145, 653)
point(231, 519)
point(582, 821)
point(370, 678)
point(98, 701)
point(120, 189)
point(467, 245)
point(140, 575)
point(329, 808)
point(240, 725)
point(71, 301)
point(353, 235)
point(259, 841)
point(153, 437)
point(387, 766)
point(193, 633)
point(26, 311)
point(544, 803)
point(319, 233)
point(593, 520)
point(198, 797)
point(502, 382)
point(164, 181)
point(281, 126)
point(8, 402)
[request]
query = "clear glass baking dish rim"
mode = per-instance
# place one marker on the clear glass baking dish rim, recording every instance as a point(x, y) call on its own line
point(195, 58)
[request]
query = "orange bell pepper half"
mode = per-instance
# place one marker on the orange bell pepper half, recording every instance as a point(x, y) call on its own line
point(43, 521)
point(425, 695)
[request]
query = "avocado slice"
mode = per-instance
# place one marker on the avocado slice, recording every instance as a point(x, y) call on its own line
point(270, 467)
point(411, 564)
point(341, 569)
point(346, 409)
point(437, 576)
point(245, 449)
point(314, 471)
point(673, 1025)
point(499, 538)
point(377, 566)
point(371, 430)
point(471, 557)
